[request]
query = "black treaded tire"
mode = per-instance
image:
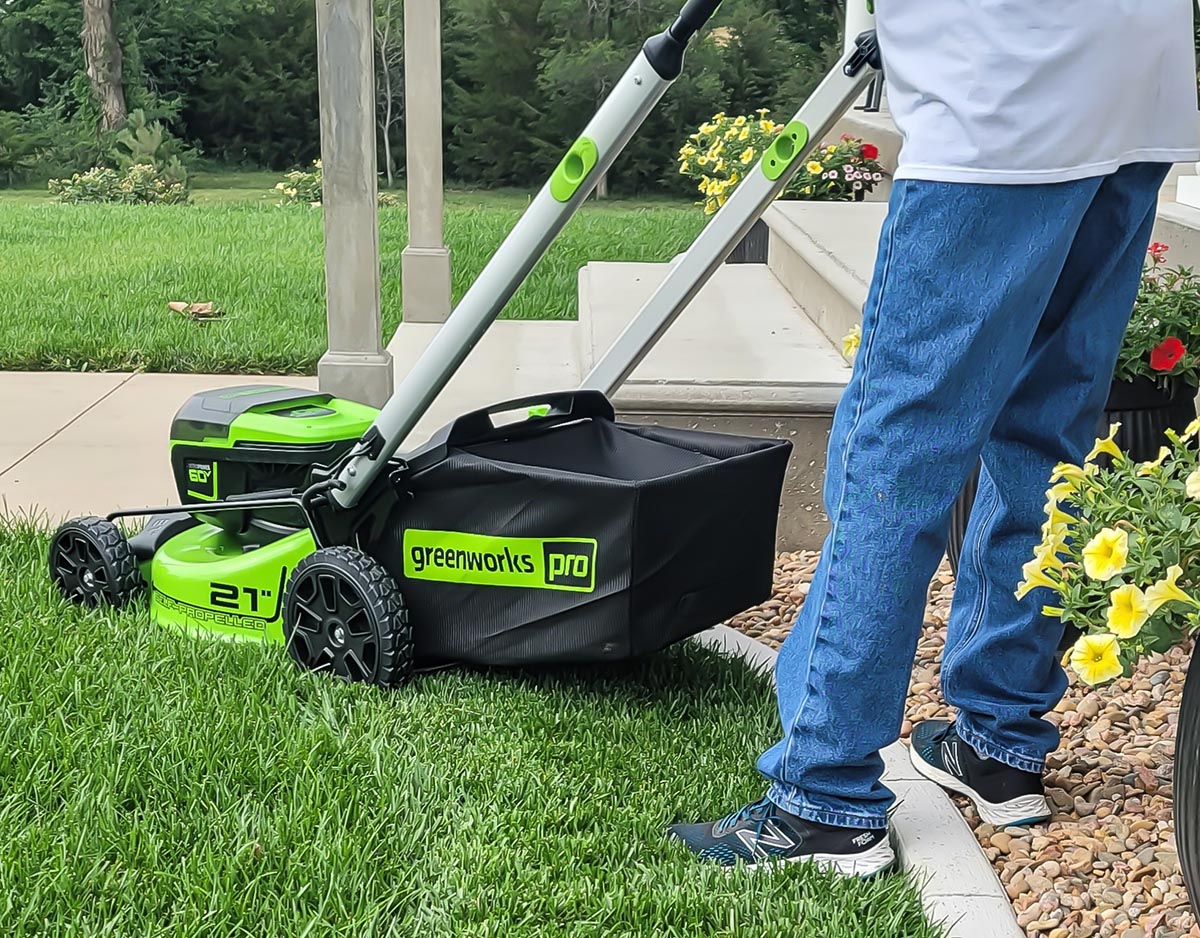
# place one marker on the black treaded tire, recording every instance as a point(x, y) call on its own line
point(1186, 797)
point(92, 563)
point(343, 614)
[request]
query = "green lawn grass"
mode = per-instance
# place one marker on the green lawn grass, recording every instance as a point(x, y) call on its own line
point(86, 286)
point(153, 784)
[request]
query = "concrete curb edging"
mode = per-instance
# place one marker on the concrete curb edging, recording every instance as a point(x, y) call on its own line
point(932, 839)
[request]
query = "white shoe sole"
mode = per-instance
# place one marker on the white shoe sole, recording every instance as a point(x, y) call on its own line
point(1027, 809)
point(877, 859)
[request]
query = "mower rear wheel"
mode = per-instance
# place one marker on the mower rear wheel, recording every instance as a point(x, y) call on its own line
point(343, 613)
point(93, 564)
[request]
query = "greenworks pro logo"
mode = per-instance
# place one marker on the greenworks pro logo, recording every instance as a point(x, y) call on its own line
point(560, 563)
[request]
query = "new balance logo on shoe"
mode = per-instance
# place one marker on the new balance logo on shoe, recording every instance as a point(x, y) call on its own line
point(769, 836)
point(950, 755)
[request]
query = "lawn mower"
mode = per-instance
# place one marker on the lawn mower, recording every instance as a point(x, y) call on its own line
point(561, 536)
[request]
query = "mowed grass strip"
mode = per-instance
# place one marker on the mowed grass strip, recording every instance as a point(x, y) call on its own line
point(87, 286)
point(154, 784)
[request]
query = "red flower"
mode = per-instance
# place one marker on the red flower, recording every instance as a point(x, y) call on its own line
point(1158, 251)
point(1166, 355)
point(870, 151)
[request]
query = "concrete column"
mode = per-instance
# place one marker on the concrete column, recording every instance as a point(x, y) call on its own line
point(356, 366)
point(425, 263)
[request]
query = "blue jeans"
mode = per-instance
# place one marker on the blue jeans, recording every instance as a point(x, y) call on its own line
point(991, 329)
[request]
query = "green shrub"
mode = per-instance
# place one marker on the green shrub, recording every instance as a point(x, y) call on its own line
point(301, 186)
point(304, 187)
point(139, 184)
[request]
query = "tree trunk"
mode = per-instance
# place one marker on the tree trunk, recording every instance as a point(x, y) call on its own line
point(102, 53)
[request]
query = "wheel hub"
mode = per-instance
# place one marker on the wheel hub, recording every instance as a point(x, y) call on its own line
point(337, 632)
point(89, 579)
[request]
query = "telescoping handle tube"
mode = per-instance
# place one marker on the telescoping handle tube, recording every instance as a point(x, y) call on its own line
point(766, 180)
point(633, 97)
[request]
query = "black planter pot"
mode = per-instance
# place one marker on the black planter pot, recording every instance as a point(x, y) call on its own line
point(1144, 411)
point(1186, 802)
point(752, 249)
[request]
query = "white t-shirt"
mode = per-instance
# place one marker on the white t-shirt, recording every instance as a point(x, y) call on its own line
point(1025, 91)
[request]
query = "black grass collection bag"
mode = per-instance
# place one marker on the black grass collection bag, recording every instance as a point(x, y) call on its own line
point(571, 538)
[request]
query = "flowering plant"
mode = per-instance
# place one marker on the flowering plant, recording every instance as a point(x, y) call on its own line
point(304, 187)
point(720, 153)
point(1163, 338)
point(1121, 551)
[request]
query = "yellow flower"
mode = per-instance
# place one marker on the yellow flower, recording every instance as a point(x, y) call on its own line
point(720, 167)
point(1148, 467)
point(1035, 576)
point(1192, 485)
point(1060, 491)
point(1127, 611)
point(851, 341)
point(718, 117)
point(710, 206)
point(1054, 541)
point(688, 150)
point(1106, 445)
point(733, 179)
point(739, 121)
point(1167, 590)
point(702, 160)
point(1105, 554)
point(747, 156)
point(1053, 612)
point(745, 134)
point(731, 133)
point(1095, 660)
point(707, 128)
point(1047, 556)
point(815, 168)
point(766, 126)
point(1191, 430)
point(1059, 520)
point(720, 201)
point(1069, 472)
point(831, 149)
point(684, 167)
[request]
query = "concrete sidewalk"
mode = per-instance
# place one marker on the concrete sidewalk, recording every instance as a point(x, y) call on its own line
point(78, 444)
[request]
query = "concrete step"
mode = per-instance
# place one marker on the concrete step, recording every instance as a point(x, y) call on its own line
point(823, 254)
point(743, 358)
point(1179, 227)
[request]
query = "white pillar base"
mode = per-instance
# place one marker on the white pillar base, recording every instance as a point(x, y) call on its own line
point(365, 377)
point(1188, 192)
point(425, 286)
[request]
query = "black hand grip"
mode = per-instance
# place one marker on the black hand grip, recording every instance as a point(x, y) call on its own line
point(665, 51)
point(562, 406)
point(692, 17)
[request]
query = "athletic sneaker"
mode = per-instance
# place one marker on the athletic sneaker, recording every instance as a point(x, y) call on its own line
point(762, 834)
point(1003, 796)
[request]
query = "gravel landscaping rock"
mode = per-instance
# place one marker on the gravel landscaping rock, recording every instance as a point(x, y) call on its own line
point(1105, 864)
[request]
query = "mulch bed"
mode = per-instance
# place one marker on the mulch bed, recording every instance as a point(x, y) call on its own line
point(1105, 864)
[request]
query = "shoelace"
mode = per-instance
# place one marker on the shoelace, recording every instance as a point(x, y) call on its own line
point(758, 811)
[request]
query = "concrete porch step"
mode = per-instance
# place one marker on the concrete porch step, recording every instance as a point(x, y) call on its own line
point(823, 253)
point(742, 358)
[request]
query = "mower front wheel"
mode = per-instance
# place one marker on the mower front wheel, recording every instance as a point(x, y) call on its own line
point(343, 614)
point(92, 563)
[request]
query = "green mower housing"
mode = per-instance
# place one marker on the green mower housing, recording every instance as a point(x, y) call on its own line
point(226, 572)
point(254, 438)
